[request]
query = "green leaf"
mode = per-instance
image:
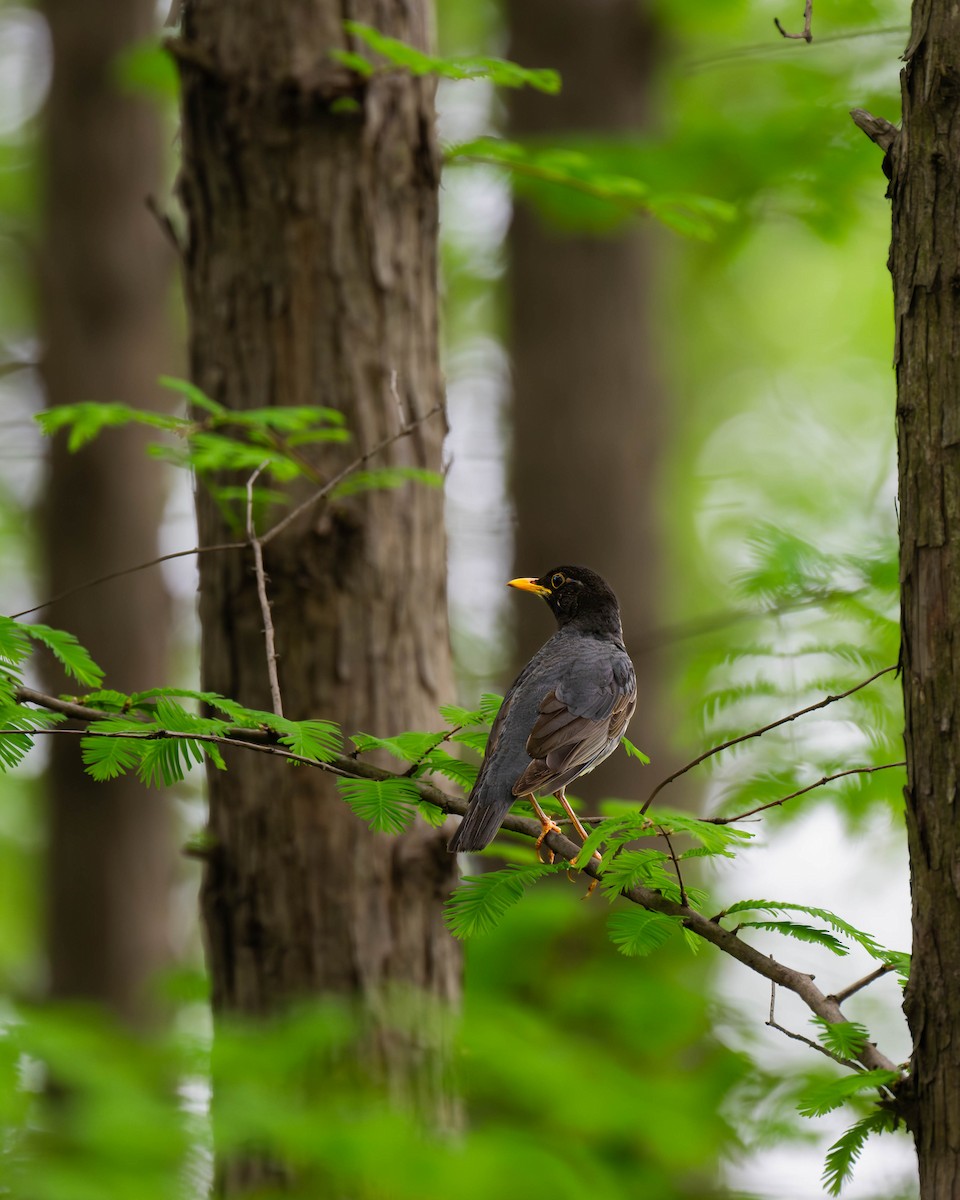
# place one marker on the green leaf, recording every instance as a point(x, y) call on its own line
point(317, 740)
point(85, 421)
point(383, 478)
point(107, 758)
point(475, 739)
point(490, 704)
point(632, 867)
point(866, 940)
point(457, 770)
point(73, 657)
point(715, 839)
point(480, 901)
point(843, 1154)
point(431, 813)
point(497, 70)
point(453, 714)
point(167, 760)
point(14, 647)
point(803, 933)
point(637, 932)
point(633, 752)
point(387, 805)
point(822, 1098)
point(843, 1038)
point(15, 746)
point(193, 395)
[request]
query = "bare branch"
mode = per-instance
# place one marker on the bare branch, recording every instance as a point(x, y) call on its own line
point(754, 733)
point(264, 599)
point(877, 129)
point(676, 863)
point(265, 538)
point(349, 469)
point(860, 984)
point(799, 1037)
point(802, 791)
point(806, 35)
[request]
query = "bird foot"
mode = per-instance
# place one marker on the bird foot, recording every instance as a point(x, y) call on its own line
point(547, 827)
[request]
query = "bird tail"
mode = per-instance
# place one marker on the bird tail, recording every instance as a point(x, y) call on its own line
point(478, 828)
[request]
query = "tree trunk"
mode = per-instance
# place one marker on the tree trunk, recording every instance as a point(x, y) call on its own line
point(925, 263)
point(311, 278)
point(104, 293)
point(588, 403)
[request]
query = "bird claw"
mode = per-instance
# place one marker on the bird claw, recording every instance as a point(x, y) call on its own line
point(547, 827)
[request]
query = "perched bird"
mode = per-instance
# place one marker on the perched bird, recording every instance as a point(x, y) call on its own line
point(564, 713)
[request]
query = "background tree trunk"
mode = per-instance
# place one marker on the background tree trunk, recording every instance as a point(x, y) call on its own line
point(311, 277)
point(105, 276)
point(925, 254)
point(588, 402)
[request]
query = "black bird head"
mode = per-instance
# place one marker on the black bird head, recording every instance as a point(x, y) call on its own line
point(579, 597)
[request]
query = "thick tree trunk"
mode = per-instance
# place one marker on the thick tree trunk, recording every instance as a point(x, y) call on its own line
point(104, 295)
point(311, 278)
point(588, 403)
point(925, 263)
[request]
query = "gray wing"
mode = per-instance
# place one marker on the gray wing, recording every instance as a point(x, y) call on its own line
point(579, 722)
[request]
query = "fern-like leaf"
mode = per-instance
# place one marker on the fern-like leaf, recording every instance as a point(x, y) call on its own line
point(108, 758)
point(803, 933)
point(387, 805)
point(844, 1038)
point(823, 1098)
point(637, 932)
point(843, 1154)
point(73, 657)
point(480, 901)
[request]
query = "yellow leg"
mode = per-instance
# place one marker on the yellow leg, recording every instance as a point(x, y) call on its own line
point(546, 826)
point(583, 835)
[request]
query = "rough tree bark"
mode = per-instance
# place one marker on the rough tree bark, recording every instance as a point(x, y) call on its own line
point(924, 164)
point(588, 403)
point(311, 277)
point(104, 291)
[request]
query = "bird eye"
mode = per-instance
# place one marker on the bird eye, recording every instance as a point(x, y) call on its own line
point(557, 580)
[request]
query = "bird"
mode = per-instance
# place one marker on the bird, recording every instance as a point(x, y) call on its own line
point(564, 713)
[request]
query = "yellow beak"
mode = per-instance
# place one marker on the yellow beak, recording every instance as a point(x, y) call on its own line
point(529, 585)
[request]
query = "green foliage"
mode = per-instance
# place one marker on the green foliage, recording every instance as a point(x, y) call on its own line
point(636, 932)
point(803, 933)
point(838, 924)
point(73, 657)
point(480, 901)
point(844, 1038)
point(387, 805)
point(845, 1151)
point(580, 187)
point(385, 478)
point(825, 1097)
point(398, 54)
point(633, 752)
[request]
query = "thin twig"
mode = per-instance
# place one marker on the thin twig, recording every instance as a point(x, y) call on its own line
point(357, 463)
point(265, 538)
point(799, 1037)
point(801, 791)
point(806, 35)
point(754, 733)
point(726, 940)
point(153, 562)
point(847, 992)
point(676, 864)
point(268, 633)
point(767, 49)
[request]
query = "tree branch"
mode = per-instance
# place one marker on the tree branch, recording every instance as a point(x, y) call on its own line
point(806, 35)
point(726, 940)
point(877, 129)
point(315, 498)
point(860, 984)
point(754, 733)
point(264, 599)
point(799, 1037)
point(801, 791)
